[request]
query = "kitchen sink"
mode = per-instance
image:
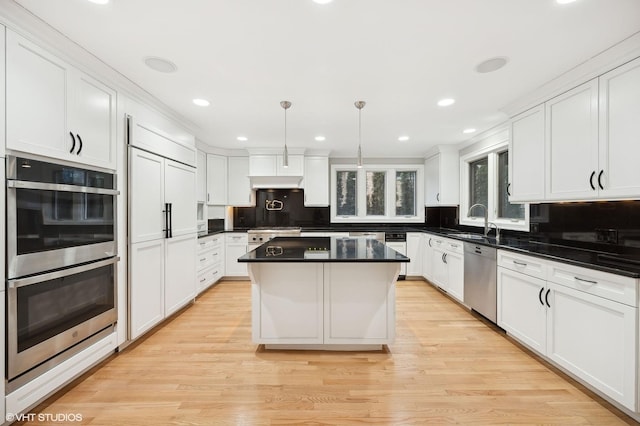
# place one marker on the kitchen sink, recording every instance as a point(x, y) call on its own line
point(468, 236)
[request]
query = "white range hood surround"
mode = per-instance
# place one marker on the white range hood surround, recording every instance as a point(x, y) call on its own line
point(275, 182)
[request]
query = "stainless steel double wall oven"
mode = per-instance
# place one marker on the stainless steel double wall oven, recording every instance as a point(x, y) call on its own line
point(61, 261)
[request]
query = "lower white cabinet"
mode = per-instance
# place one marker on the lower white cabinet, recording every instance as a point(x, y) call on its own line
point(210, 261)
point(566, 318)
point(236, 245)
point(414, 253)
point(427, 257)
point(446, 265)
point(400, 247)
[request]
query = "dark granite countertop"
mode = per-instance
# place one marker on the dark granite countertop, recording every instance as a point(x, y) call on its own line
point(602, 261)
point(323, 249)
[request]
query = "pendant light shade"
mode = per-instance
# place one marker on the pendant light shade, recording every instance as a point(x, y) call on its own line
point(285, 156)
point(360, 105)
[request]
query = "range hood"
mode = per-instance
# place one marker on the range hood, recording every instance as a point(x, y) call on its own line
point(275, 182)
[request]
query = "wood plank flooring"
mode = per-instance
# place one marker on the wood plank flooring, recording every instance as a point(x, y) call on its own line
point(446, 367)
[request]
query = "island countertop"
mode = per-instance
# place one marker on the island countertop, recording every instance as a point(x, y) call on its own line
point(323, 249)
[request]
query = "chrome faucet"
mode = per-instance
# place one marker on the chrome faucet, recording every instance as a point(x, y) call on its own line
point(486, 218)
point(497, 231)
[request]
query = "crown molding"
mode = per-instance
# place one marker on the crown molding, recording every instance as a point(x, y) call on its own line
point(30, 26)
point(613, 57)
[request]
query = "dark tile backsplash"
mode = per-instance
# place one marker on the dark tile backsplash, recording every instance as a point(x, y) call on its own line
point(610, 226)
point(269, 212)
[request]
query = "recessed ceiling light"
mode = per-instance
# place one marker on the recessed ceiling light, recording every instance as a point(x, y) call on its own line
point(201, 102)
point(242, 138)
point(160, 64)
point(320, 138)
point(403, 138)
point(468, 130)
point(564, 1)
point(446, 102)
point(99, 1)
point(492, 64)
point(322, 1)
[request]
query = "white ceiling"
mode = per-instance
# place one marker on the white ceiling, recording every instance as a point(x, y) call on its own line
point(400, 56)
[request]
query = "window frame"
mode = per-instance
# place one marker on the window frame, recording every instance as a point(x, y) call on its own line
point(390, 193)
point(491, 153)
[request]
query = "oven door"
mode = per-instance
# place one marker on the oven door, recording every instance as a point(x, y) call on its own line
point(49, 313)
point(52, 226)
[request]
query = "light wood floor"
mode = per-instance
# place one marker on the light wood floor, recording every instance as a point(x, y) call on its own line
point(445, 367)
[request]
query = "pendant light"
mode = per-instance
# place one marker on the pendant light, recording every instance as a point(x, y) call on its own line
point(360, 105)
point(285, 156)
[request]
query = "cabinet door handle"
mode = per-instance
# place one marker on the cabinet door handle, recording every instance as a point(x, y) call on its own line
point(540, 296)
point(73, 146)
point(508, 186)
point(438, 197)
point(586, 281)
point(442, 257)
point(430, 243)
point(207, 197)
point(170, 220)
point(591, 180)
point(166, 220)
point(600, 179)
point(519, 263)
point(445, 258)
point(80, 141)
point(546, 297)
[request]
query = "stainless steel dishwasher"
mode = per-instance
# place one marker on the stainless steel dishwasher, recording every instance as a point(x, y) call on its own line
point(480, 279)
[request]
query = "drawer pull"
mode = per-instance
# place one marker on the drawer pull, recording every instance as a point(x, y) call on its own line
point(454, 245)
point(203, 259)
point(203, 280)
point(215, 254)
point(519, 263)
point(586, 281)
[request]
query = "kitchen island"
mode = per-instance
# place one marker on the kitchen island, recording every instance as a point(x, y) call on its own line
point(323, 293)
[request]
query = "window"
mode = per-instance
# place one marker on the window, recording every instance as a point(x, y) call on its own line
point(478, 183)
point(485, 180)
point(406, 193)
point(377, 193)
point(346, 191)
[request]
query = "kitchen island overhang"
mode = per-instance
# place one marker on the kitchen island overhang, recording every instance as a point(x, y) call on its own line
point(323, 293)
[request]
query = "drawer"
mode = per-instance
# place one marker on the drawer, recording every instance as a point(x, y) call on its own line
point(206, 259)
point(528, 265)
point(236, 238)
point(610, 286)
point(209, 276)
point(454, 246)
point(208, 243)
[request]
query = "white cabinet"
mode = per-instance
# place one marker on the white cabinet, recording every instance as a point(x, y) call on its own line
point(427, 256)
point(526, 156)
point(236, 245)
point(584, 321)
point(572, 143)
point(442, 178)
point(273, 165)
point(521, 309)
point(54, 109)
point(316, 181)
point(414, 253)
point(240, 193)
point(162, 215)
point(216, 180)
point(446, 265)
point(201, 177)
point(619, 174)
point(210, 260)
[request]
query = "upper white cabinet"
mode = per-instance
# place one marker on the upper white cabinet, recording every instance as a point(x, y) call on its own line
point(590, 142)
point(216, 180)
point(273, 165)
point(240, 193)
point(442, 178)
point(316, 181)
point(526, 156)
point(55, 110)
point(201, 176)
point(572, 143)
point(619, 148)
